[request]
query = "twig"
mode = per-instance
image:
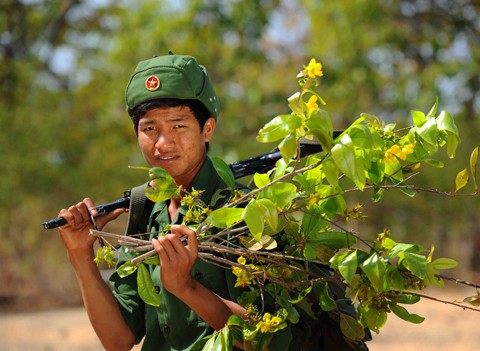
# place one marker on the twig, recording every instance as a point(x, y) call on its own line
point(459, 281)
point(124, 238)
point(142, 257)
point(447, 302)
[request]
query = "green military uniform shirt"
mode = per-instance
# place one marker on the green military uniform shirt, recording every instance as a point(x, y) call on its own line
point(173, 325)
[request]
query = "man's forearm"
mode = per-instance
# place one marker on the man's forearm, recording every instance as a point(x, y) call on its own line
point(102, 307)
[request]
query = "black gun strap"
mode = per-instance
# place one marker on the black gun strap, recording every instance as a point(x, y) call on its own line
point(139, 210)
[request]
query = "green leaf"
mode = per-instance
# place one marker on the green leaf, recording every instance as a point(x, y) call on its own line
point(313, 222)
point(348, 266)
point(293, 316)
point(473, 300)
point(473, 167)
point(405, 315)
point(261, 179)
point(146, 289)
point(395, 280)
point(351, 328)
point(343, 153)
point(126, 269)
point(256, 213)
point(429, 132)
point(224, 171)
point(374, 318)
point(152, 260)
point(400, 247)
point(415, 263)
point(280, 193)
point(320, 125)
point(279, 127)
point(361, 136)
point(446, 122)
point(227, 339)
point(433, 110)
point(288, 147)
point(266, 242)
point(161, 186)
point(246, 298)
point(334, 240)
point(374, 267)
point(444, 263)
point(225, 217)
point(418, 117)
point(325, 300)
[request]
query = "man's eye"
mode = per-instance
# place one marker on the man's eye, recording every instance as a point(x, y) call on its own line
point(149, 129)
point(178, 126)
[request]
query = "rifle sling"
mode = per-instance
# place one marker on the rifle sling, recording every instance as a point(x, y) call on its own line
point(139, 210)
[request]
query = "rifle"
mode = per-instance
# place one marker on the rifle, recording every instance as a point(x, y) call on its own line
point(249, 166)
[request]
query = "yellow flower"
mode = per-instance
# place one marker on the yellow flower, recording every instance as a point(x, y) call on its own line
point(312, 103)
point(397, 151)
point(406, 150)
point(244, 278)
point(314, 69)
point(269, 323)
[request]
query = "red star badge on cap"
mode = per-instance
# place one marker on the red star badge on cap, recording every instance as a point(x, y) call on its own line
point(152, 83)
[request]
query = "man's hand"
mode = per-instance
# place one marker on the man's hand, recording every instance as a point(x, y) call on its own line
point(75, 234)
point(177, 259)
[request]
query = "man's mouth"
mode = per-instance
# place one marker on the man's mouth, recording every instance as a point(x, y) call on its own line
point(165, 158)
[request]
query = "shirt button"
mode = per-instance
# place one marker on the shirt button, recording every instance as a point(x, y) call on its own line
point(157, 289)
point(166, 329)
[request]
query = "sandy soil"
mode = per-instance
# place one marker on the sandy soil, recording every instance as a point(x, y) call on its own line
point(445, 328)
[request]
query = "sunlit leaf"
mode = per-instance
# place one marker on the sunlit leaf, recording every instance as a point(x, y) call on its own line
point(266, 242)
point(256, 213)
point(429, 132)
point(415, 263)
point(288, 147)
point(225, 217)
point(343, 154)
point(280, 193)
point(444, 263)
point(374, 267)
point(473, 166)
point(374, 318)
point(278, 128)
point(261, 179)
point(126, 269)
point(146, 289)
point(418, 117)
point(405, 315)
point(473, 300)
point(161, 189)
point(348, 266)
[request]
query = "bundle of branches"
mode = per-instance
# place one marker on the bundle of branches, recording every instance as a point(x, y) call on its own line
point(288, 237)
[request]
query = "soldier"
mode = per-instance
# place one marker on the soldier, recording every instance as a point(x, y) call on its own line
point(174, 110)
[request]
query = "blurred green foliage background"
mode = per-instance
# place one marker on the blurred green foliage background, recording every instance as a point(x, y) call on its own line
point(65, 135)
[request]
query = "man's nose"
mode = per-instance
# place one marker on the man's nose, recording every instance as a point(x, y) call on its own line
point(164, 139)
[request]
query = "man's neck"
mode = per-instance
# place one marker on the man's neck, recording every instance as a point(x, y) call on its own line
point(173, 207)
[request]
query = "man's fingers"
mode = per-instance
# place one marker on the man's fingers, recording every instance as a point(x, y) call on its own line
point(102, 220)
point(192, 242)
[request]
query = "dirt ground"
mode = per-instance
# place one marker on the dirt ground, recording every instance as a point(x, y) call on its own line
point(445, 328)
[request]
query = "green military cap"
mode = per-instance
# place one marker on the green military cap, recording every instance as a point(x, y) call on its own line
point(171, 76)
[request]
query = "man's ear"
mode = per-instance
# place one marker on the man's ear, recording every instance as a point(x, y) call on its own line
point(209, 128)
point(135, 130)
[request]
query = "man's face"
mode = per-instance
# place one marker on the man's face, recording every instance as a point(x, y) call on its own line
point(170, 137)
